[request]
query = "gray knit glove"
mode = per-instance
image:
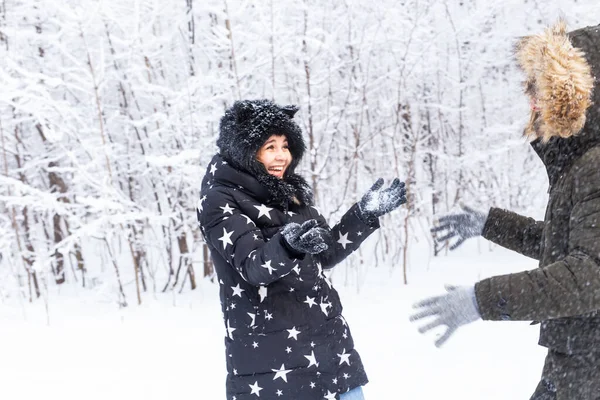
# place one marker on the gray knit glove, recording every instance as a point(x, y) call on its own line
point(306, 238)
point(463, 226)
point(456, 308)
point(377, 201)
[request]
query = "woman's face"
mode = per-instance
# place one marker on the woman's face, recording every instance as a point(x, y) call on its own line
point(275, 155)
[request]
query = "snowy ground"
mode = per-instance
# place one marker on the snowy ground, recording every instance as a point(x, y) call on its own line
point(171, 347)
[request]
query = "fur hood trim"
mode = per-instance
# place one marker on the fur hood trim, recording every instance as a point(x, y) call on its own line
point(559, 79)
point(248, 124)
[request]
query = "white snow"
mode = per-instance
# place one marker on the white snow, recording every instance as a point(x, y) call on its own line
point(172, 346)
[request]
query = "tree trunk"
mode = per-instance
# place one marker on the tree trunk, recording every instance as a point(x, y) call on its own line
point(207, 262)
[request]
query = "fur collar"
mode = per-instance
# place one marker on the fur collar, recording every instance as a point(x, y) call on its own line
point(263, 187)
point(291, 189)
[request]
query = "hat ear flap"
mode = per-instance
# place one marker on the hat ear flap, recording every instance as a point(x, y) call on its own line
point(290, 111)
point(243, 111)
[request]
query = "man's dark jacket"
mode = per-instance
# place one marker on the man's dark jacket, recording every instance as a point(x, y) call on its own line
point(563, 293)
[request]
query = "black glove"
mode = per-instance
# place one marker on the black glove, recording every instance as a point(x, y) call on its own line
point(462, 225)
point(306, 238)
point(377, 202)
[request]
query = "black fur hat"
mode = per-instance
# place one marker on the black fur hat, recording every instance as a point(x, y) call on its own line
point(246, 126)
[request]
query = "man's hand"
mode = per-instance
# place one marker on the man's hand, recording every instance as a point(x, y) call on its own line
point(456, 308)
point(462, 226)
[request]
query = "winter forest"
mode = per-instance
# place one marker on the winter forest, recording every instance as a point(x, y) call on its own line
point(109, 114)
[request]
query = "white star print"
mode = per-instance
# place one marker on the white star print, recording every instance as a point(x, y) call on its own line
point(233, 306)
point(281, 373)
point(312, 385)
point(237, 290)
point(235, 371)
point(255, 237)
point(346, 376)
point(227, 209)
point(344, 358)
point(279, 392)
point(296, 269)
point(253, 317)
point(199, 206)
point(312, 359)
point(324, 307)
point(312, 344)
point(255, 389)
point(262, 292)
point(288, 350)
point(268, 316)
point(334, 380)
point(267, 265)
point(343, 240)
point(310, 301)
point(330, 396)
point(248, 220)
point(254, 344)
point(291, 213)
point(293, 333)
point(226, 238)
point(230, 330)
point(263, 210)
point(213, 168)
point(359, 233)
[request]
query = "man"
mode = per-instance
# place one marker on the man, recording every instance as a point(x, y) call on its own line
point(564, 291)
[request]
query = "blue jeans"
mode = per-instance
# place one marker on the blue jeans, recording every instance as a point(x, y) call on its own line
point(354, 394)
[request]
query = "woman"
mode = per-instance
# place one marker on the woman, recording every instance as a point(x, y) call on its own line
point(285, 335)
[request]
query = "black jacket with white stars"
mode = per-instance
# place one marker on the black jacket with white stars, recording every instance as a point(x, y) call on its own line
point(285, 336)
